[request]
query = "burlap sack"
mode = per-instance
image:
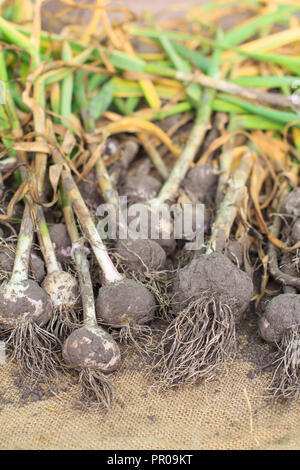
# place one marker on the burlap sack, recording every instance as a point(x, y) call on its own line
point(229, 413)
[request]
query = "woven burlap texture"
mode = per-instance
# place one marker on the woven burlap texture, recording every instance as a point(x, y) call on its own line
point(229, 413)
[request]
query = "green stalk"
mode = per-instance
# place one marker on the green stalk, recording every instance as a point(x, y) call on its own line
point(226, 160)
point(290, 63)
point(264, 82)
point(5, 126)
point(252, 122)
point(192, 90)
point(12, 120)
point(81, 261)
point(53, 76)
point(104, 180)
point(55, 98)
point(198, 60)
point(17, 98)
point(48, 39)
point(9, 31)
point(95, 81)
point(9, 106)
point(23, 250)
point(283, 117)
point(273, 99)
point(228, 208)
point(131, 104)
point(239, 34)
point(82, 102)
point(45, 243)
point(25, 238)
point(120, 105)
point(200, 127)
point(66, 86)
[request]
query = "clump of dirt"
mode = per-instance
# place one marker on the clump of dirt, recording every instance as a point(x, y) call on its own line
point(291, 203)
point(24, 301)
point(295, 235)
point(37, 267)
point(140, 188)
point(234, 251)
point(282, 313)
point(7, 257)
point(61, 241)
point(92, 347)
point(89, 190)
point(201, 182)
point(33, 393)
point(128, 151)
point(152, 223)
point(216, 274)
point(124, 303)
point(138, 255)
point(280, 325)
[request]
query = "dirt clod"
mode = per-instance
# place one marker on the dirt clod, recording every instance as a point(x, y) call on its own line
point(89, 191)
point(291, 203)
point(213, 273)
point(61, 241)
point(141, 188)
point(282, 313)
point(92, 347)
point(125, 302)
point(7, 257)
point(138, 255)
point(200, 181)
point(24, 301)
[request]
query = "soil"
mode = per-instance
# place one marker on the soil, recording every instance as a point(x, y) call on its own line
point(138, 255)
point(123, 303)
point(213, 273)
point(37, 267)
point(295, 235)
point(7, 256)
point(281, 313)
point(30, 394)
point(89, 191)
point(24, 300)
point(54, 20)
point(160, 229)
point(200, 182)
point(92, 347)
point(250, 346)
point(234, 251)
point(140, 188)
point(291, 203)
point(119, 169)
point(61, 241)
